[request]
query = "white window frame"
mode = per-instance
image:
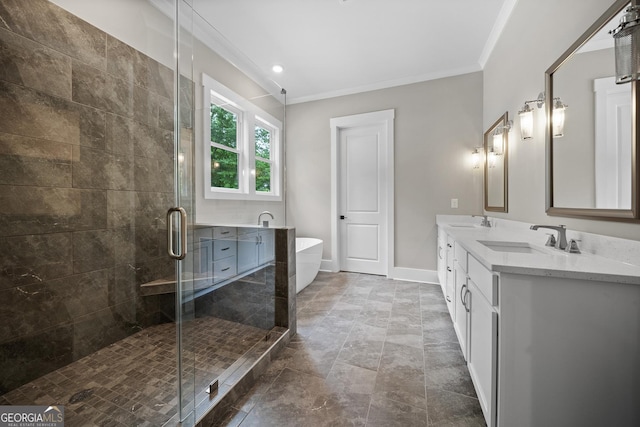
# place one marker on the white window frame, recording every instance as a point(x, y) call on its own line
point(248, 116)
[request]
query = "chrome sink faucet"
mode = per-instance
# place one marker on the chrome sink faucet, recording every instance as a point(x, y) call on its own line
point(561, 241)
point(265, 223)
point(485, 221)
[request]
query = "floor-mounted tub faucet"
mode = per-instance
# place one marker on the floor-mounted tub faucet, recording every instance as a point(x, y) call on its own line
point(265, 223)
point(561, 241)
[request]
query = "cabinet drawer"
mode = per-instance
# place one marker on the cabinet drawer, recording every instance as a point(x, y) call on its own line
point(223, 249)
point(224, 269)
point(224, 232)
point(203, 233)
point(461, 256)
point(486, 281)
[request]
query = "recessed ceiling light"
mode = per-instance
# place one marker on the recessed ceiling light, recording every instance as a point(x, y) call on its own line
point(277, 68)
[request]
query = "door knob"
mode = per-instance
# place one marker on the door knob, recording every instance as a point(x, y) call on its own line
point(342, 217)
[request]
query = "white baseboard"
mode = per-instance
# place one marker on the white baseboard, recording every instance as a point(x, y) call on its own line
point(398, 273)
point(327, 265)
point(415, 275)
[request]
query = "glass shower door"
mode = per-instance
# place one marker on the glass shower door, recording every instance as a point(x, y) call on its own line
point(181, 217)
point(96, 144)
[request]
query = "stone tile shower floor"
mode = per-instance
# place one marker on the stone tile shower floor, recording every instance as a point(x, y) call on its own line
point(369, 352)
point(133, 382)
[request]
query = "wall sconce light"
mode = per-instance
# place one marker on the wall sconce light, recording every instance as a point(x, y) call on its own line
point(492, 158)
point(497, 146)
point(626, 37)
point(475, 158)
point(557, 118)
point(526, 116)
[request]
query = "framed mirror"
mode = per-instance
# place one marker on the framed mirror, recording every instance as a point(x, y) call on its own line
point(592, 154)
point(496, 147)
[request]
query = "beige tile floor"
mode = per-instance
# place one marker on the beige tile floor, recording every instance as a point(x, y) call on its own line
point(369, 352)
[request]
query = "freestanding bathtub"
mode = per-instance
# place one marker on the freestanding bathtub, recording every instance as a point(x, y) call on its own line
point(308, 258)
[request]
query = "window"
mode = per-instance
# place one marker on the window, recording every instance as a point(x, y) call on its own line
point(242, 146)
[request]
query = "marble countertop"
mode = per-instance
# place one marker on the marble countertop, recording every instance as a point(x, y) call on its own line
point(546, 261)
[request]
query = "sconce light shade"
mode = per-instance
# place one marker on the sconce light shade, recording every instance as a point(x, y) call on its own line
point(557, 118)
point(626, 38)
point(526, 122)
point(526, 116)
point(492, 159)
point(475, 158)
point(498, 142)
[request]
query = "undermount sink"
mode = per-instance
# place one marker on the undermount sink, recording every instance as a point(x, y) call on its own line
point(513, 247)
point(463, 225)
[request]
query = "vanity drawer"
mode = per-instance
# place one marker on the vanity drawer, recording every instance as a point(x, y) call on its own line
point(224, 249)
point(224, 232)
point(461, 256)
point(486, 281)
point(224, 269)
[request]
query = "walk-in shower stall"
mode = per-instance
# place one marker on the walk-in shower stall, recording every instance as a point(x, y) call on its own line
point(116, 300)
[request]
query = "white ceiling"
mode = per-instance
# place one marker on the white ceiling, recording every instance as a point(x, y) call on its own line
point(337, 47)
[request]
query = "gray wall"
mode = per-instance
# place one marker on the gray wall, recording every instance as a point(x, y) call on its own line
point(515, 73)
point(437, 125)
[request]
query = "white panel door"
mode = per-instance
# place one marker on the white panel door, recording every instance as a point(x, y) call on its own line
point(613, 114)
point(363, 216)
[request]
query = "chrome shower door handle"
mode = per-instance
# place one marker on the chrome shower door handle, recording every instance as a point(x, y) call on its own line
point(183, 233)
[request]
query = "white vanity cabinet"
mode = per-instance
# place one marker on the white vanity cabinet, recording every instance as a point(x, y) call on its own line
point(471, 292)
point(461, 295)
point(267, 248)
point(446, 275)
point(442, 258)
point(482, 342)
point(255, 247)
point(550, 338)
point(224, 253)
point(248, 241)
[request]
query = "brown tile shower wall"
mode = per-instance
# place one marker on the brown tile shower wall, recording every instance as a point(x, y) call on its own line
point(285, 287)
point(86, 176)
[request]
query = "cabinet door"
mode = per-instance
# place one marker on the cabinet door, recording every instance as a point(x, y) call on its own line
point(460, 319)
point(442, 261)
point(483, 351)
point(247, 251)
point(450, 284)
point(266, 251)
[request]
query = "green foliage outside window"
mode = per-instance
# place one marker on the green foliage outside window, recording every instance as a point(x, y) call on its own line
point(224, 168)
point(224, 127)
point(263, 150)
point(263, 176)
point(224, 163)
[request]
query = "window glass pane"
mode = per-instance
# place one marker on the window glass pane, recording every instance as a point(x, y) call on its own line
point(224, 126)
point(263, 142)
point(263, 176)
point(224, 168)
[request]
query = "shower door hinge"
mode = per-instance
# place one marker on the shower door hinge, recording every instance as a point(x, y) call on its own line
point(212, 388)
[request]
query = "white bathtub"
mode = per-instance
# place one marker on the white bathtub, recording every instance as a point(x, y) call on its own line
point(308, 258)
